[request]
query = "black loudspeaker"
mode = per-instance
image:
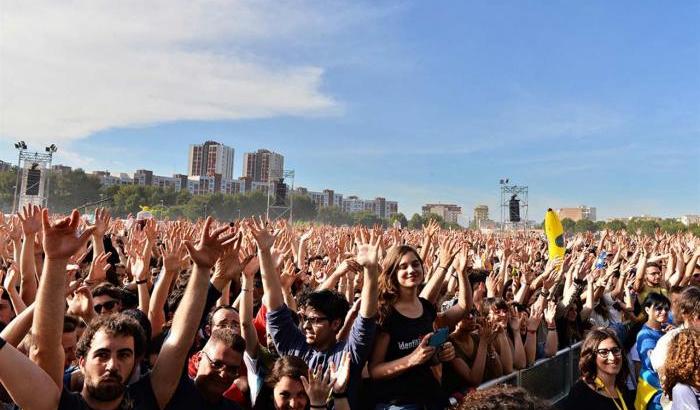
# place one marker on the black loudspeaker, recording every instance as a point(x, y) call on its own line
point(280, 193)
point(514, 207)
point(33, 179)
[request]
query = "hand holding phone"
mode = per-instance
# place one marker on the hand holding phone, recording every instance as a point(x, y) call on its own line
point(439, 337)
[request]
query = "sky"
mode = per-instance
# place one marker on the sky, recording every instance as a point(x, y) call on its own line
point(594, 103)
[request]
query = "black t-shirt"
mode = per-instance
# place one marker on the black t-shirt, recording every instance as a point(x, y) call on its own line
point(138, 396)
point(188, 397)
point(583, 397)
point(416, 385)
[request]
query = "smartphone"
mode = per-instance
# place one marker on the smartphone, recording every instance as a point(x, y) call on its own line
point(439, 337)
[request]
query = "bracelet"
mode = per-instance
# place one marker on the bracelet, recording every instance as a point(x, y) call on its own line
point(552, 329)
point(442, 267)
point(246, 290)
point(141, 282)
point(318, 406)
point(2, 343)
point(340, 395)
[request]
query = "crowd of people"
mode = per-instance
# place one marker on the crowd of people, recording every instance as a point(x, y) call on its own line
point(136, 313)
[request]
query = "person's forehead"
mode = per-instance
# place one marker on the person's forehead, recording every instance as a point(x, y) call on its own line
point(408, 257)
point(221, 352)
point(103, 298)
point(312, 312)
point(69, 337)
point(104, 340)
point(652, 269)
point(225, 314)
point(286, 383)
point(607, 344)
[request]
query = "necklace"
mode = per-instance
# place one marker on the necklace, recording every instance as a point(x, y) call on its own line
point(600, 385)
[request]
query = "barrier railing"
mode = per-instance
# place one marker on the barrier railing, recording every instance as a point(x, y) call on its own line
point(549, 379)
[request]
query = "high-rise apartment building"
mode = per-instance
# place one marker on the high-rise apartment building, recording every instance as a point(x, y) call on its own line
point(481, 213)
point(576, 214)
point(211, 158)
point(449, 212)
point(263, 165)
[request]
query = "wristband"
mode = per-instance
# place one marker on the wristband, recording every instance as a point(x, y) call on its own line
point(2, 343)
point(340, 395)
point(442, 267)
point(318, 406)
point(246, 290)
point(141, 282)
point(552, 329)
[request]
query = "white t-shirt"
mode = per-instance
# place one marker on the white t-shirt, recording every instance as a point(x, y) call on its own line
point(685, 397)
point(660, 351)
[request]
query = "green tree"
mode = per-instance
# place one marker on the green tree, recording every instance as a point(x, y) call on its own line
point(304, 208)
point(72, 189)
point(401, 218)
point(568, 224)
point(672, 226)
point(646, 227)
point(615, 225)
point(416, 222)
point(584, 225)
point(8, 181)
point(333, 215)
point(366, 218)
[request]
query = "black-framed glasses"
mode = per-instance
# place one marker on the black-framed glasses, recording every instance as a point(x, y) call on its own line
point(603, 353)
point(218, 365)
point(107, 306)
point(315, 321)
point(661, 308)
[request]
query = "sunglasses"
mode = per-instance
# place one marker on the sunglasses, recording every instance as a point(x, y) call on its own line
point(107, 306)
point(603, 353)
point(661, 308)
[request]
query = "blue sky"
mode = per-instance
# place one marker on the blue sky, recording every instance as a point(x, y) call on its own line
point(593, 103)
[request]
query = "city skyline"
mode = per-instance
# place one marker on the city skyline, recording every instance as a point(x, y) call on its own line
point(402, 100)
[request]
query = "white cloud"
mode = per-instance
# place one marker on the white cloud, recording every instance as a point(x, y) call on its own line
point(72, 68)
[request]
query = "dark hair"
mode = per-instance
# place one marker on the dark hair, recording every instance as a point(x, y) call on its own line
point(215, 309)
point(494, 303)
point(502, 397)
point(70, 323)
point(287, 366)
point(689, 302)
point(330, 303)
point(142, 318)
point(587, 363)
point(656, 299)
point(389, 282)
point(117, 325)
point(228, 338)
point(106, 288)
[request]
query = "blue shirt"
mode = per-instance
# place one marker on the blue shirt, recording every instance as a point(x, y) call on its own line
point(646, 342)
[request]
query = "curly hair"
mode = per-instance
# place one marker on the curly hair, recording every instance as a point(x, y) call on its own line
point(682, 361)
point(388, 280)
point(117, 324)
point(587, 362)
point(503, 397)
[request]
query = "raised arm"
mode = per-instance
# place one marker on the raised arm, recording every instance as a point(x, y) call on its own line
point(271, 281)
point(21, 378)
point(60, 242)
point(448, 251)
point(173, 254)
point(246, 312)
point(30, 218)
point(168, 367)
point(101, 225)
point(368, 258)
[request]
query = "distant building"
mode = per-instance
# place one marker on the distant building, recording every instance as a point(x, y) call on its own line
point(58, 169)
point(108, 180)
point(378, 206)
point(576, 214)
point(449, 212)
point(210, 158)
point(690, 219)
point(481, 214)
point(263, 166)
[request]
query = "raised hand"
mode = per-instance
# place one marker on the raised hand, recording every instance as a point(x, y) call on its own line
point(60, 239)
point(318, 386)
point(263, 237)
point(210, 245)
point(102, 219)
point(448, 250)
point(99, 267)
point(550, 313)
point(30, 218)
point(341, 373)
point(289, 275)
point(367, 249)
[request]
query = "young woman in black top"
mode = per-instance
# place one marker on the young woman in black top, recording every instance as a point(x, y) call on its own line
point(404, 367)
point(603, 373)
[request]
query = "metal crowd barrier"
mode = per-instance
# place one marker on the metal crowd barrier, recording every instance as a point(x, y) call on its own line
point(549, 379)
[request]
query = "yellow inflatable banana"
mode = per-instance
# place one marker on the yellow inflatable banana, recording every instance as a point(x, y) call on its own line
point(555, 234)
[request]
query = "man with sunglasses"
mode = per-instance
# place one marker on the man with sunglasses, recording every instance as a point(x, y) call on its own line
point(106, 299)
point(656, 307)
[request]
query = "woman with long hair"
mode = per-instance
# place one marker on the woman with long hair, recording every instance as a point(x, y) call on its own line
point(603, 374)
point(681, 381)
point(405, 361)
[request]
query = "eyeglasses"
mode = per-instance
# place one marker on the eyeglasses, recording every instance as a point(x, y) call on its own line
point(218, 365)
point(315, 321)
point(604, 353)
point(661, 308)
point(107, 306)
